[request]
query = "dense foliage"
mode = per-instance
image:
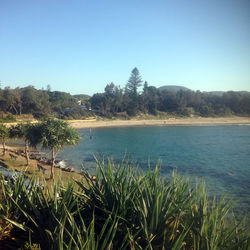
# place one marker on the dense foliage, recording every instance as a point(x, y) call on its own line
point(120, 209)
point(40, 103)
point(131, 101)
point(21, 131)
point(136, 97)
point(4, 136)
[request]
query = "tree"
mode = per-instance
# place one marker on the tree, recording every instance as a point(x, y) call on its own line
point(132, 86)
point(11, 100)
point(152, 99)
point(35, 101)
point(98, 103)
point(21, 131)
point(48, 88)
point(118, 102)
point(113, 98)
point(110, 90)
point(168, 102)
point(134, 82)
point(4, 136)
point(53, 135)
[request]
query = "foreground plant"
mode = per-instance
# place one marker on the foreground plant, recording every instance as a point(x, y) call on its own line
point(156, 213)
point(121, 209)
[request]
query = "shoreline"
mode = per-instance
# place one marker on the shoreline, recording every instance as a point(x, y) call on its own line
point(93, 123)
point(195, 121)
point(37, 157)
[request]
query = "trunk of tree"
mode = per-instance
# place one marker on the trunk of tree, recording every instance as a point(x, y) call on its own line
point(27, 153)
point(52, 163)
point(13, 106)
point(20, 108)
point(4, 148)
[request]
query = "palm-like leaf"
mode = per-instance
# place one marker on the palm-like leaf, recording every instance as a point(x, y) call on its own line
point(53, 135)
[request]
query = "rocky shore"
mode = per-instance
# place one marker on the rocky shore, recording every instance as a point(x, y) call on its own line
point(16, 153)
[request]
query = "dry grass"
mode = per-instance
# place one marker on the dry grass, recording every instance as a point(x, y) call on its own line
point(32, 170)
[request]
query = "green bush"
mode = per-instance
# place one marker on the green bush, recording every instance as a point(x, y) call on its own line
point(7, 117)
point(122, 209)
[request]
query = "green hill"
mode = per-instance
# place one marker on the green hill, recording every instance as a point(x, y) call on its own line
point(173, 88)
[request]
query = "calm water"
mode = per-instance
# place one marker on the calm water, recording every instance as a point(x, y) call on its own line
point(218, 154)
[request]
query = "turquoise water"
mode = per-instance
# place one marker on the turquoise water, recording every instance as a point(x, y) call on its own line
point(220, 155)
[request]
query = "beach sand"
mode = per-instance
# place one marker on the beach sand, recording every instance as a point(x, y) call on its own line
point(195, 121)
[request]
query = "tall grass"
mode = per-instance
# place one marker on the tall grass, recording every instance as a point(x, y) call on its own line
point(122, 209)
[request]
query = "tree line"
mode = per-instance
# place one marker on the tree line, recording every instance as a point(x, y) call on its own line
point(137, 97)
point(40, 103)
point(131, 101)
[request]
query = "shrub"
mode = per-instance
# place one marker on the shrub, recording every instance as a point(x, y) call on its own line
point(7, 117)
point(123, 208)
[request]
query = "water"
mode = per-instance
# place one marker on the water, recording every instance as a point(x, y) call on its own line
point(220, 155)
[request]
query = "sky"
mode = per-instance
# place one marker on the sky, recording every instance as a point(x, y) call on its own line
point(80, 46)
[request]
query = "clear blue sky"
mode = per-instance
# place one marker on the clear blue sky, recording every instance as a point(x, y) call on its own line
point(79, 46)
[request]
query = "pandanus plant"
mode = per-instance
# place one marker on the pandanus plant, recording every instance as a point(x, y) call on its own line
point(4, 136)
point(121, 209)
point(53, 135)
point(20, 131)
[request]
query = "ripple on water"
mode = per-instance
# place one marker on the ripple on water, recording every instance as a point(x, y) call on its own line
point(219, 154)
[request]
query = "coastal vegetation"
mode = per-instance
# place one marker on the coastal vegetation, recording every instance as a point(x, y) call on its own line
point(21, 131)
point(50, 134)
point(121, 208)
point(53, 135)
point(177, 101)
point(137, 97)
point(4, 136)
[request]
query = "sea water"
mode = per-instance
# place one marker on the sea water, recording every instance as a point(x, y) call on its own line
point(220, 155)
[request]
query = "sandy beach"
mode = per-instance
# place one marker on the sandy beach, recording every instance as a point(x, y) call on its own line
point(195, 121)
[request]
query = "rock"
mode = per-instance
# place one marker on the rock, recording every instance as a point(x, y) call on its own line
point(61, 164)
